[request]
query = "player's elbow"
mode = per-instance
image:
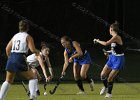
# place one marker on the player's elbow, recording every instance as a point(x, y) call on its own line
point(105, 44)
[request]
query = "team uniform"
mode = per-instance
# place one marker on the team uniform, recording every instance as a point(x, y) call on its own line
point(17, 59)
point(85, 59)
point(33, 64)
point(32, 61)
point(116, 58)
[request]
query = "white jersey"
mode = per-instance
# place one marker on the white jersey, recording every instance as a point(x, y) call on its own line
point(32, 61)
point(19, 43)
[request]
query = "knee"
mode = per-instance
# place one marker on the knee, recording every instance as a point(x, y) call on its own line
point(109, 79)
point(10, 81)
point(103, 76)
point(34, 72)
point(83, 76)
point(39, 77)
point(31, 77)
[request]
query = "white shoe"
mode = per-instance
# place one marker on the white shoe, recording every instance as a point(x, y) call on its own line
point(108, 95)
point(92, 85)
point(103, 91)
point(33, 98)
point(81, 93)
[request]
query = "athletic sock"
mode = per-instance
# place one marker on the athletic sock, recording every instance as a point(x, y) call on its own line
point(105, 83)
point(110, 87)
point(32, 88)
point(80, 85)
point(4, 89)
point(37, 86)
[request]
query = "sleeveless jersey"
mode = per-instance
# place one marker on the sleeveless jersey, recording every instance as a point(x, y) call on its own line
point(85, 59)
point(32, 61)
point(19, 44)
point(73, 51)
point(117, 48)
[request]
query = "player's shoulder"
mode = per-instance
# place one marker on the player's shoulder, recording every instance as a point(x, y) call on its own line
point(21, 34)
point(74, 43)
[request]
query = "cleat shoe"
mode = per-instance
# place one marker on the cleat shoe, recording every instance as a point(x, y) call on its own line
point(108, 95)
point(103, 91)
point(33, 98)
point(81, 93)
point(37, 92)
point(28, 93)
point(92, 85)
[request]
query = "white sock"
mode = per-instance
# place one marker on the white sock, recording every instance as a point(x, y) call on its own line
point(32, 88)
point(4, 89)
point(37, 85)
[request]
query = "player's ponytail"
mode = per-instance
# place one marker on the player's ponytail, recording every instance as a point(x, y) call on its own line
point(23, 26)
point(115, 26)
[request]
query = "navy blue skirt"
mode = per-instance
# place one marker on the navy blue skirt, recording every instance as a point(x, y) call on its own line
point(16, 63)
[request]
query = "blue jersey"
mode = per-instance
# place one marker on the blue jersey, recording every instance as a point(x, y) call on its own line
point(85, 59)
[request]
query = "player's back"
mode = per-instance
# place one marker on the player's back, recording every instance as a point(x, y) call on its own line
point(19, 43)
point(17, 61)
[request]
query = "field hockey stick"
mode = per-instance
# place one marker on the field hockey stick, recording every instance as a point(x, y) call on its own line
point(106, 53)
point(57, 84)
point(24, 86)
point(45, 85)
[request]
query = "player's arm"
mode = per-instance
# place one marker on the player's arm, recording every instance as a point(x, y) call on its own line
point(31, 45)
point(42, 65)
point(8, 48)
point(105, 43)
point(66, 62)
point(78, 50)
point(49, 66)
point(106, 53)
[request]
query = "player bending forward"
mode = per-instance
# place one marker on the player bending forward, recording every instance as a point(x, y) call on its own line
point(34, 61)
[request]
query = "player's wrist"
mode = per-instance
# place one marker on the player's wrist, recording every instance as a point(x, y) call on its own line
point(72, 57)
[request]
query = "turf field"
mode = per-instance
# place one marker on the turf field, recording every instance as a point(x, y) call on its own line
point(121, 91)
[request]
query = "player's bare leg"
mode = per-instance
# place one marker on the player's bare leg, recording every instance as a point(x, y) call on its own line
point(106, 70)
point(83, 74)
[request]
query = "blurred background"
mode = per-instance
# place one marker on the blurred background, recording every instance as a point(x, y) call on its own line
point(60, 17)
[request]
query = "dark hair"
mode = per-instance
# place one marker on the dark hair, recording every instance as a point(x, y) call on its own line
point(23, 26)
point(66, 38)
point(44, 45)
point(115, 26)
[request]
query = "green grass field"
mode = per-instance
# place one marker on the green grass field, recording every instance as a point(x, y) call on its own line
point(121, 91)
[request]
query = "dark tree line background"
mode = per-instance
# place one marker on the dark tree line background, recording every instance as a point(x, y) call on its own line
point(61, 18)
